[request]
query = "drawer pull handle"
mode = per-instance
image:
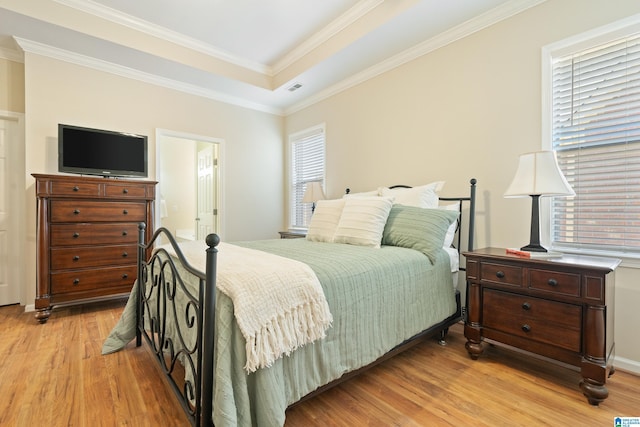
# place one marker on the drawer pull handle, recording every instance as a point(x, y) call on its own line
point(500, 274)
point(526, 306)
point(124, 276)
point(76, 188)
point(76, 282)
point(552, 282)
point(124, 233)
point(76, 258)
point(76, 235)
point(124, 212)
point(76, 211)
point(124, 254)
point(526, 328)
point(125, 191)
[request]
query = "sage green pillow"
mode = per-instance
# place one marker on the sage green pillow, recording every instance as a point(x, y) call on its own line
point(418, 228)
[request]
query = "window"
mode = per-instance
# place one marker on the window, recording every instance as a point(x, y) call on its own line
point(595, 132)
point(307, 162)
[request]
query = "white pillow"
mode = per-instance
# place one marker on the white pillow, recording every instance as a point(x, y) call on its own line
point(324, 220)
point(424, 196)
point(451, 231)
point(362, 221)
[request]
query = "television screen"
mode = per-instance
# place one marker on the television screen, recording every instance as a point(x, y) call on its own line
point(101, 152)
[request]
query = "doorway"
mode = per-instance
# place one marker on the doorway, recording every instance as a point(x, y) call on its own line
point(188, 172)
point(12, 226)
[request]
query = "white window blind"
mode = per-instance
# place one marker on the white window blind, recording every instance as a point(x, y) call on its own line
point(307, 165)
point(596, 136)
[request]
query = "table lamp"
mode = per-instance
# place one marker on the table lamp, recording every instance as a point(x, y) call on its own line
point(313, 193)
point(538, 175)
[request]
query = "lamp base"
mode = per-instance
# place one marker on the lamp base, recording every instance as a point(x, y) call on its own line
point(534, 241)
point(532, 247)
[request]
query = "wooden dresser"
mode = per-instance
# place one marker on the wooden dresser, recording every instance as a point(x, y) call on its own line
point(87, 233)
point(559, 308)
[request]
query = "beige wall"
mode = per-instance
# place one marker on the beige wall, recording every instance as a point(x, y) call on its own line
point(11, 86)
point(252, 166)
point(466, 110)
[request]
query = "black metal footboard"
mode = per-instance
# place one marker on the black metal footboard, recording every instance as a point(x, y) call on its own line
point(167, 303)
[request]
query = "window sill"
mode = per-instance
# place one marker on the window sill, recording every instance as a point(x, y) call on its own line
point(629, 260)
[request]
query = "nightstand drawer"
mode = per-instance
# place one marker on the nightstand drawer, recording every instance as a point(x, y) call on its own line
point(501, 273)
point(556, 282)
point(537, 319)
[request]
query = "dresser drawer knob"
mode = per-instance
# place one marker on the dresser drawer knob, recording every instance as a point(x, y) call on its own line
point(76, 211)
point(76, 188)
point(125, 191)
point(124, 233)
point(124, 212)
point(526, 306)
point(526, 328)
point(76, 282)
point(552, 282)
point(124, 254)
point(125, 276)
point(76, 235)
point(500, 274)
point(76, 258)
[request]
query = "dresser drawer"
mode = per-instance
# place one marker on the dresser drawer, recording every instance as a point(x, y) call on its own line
point(93, 234)
point(125, 190)
point(73, 188)
point(96, 256)
point(537, 319)
point(89, 211)
point(84, 280)
point(555, 282)
point(501, 273)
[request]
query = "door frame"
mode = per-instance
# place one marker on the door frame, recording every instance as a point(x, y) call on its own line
point(164, 133)
point(16, 186)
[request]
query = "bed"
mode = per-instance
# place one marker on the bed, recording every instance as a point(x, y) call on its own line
point(368, 302)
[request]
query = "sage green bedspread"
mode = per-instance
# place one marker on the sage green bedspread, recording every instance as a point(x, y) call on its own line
point(378, 299)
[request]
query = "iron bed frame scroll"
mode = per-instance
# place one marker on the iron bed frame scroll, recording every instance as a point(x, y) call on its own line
point(156, 302)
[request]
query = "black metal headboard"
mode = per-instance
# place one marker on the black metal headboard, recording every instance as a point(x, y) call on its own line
point(471, 199)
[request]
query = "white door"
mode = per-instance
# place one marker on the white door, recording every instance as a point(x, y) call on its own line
point(207, 197)
point(9, 288)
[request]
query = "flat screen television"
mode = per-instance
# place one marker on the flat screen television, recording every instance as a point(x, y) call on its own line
point(101, 152)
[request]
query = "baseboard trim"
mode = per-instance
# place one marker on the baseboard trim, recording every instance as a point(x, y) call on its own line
point(627, 365)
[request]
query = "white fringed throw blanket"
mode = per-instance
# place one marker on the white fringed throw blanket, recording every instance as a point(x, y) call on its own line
point(278, 302)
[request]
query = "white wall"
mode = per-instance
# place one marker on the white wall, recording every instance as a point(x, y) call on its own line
point(466, 110)
point(59, 92)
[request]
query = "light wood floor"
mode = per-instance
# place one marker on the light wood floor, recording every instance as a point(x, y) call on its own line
point(54, 375)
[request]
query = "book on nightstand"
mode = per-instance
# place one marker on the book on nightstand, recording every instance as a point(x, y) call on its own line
point(539, 255)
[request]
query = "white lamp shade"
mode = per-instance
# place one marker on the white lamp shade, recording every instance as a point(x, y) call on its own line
point(539, 174)
point(313, 193)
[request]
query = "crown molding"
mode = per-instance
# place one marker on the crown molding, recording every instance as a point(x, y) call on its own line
point(109, 67)
point(458, 32)
point(129, 21)
point(11, 55)
point(344, 21)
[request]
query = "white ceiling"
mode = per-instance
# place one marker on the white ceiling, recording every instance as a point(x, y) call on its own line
point(246, 52)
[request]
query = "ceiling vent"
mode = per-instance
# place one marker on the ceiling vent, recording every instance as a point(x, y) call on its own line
point(294, 87)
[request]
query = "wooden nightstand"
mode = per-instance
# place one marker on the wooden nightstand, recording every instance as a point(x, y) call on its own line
point(559, 308)
point(292, 234)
